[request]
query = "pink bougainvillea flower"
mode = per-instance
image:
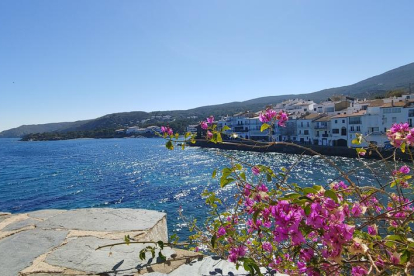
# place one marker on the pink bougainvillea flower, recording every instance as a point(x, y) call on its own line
point(255, 170)
point(404, 170)
point(204, 125)
point(210, 120)
point(267, 246)
point(359, 271)
point(209, 135)
point(221, 232)
point(373, 229)
point(167, 130)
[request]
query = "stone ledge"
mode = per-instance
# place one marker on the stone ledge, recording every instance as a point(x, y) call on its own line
point(64, 242)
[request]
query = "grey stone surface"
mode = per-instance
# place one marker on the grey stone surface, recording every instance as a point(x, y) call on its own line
point(45, 214)
point(3, 217)
point(104, 219)
point(20, 224)
point(208, 266)
point(81, 254)
point(18, 251)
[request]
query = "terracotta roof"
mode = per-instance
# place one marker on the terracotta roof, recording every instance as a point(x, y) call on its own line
point(376, 103)
point(394, 104)
point(324, 119)
point(359, 113)
point(311, 116)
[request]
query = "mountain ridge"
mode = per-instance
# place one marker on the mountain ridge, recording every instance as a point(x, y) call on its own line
point(400, 78)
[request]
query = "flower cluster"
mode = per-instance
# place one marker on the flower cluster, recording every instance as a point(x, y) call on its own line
point(209, 121)
point(400, 134)
point(167, 130)
point(269, 115)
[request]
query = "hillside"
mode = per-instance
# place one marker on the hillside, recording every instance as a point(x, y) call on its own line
point(400, 78)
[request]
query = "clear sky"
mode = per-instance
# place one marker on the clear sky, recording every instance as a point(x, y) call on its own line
point(71, 60)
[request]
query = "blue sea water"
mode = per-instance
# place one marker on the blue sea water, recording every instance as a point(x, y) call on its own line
point(135, 173)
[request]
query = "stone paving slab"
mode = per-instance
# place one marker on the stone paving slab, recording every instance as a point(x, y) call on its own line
point(103, 219)
point(65, 242)
point(19, 250)
point(81, 254)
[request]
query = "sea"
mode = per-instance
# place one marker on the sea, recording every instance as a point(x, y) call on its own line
point(142, 173)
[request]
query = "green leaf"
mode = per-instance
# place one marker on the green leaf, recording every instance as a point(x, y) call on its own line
point(317, 187)
point(309, 190)
point(255, 215)
point(161, 256)
point(213, 240)
point(127, 239)
point(264, 127)
point(269, 177)
point(214, 174)
point(331, 194)
point(403, 147)
point(142, 255)
point(307, 209)
point(219, 139)
point(243, 176)
point(238, 166)
point(225, 128)
point(169, 145)
point(291, 196)
point(177, 135)
point(405, 256)
point(161, 244)
point(393, 238)
point(225, 181)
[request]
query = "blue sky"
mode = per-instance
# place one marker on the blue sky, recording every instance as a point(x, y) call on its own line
point(72, 60)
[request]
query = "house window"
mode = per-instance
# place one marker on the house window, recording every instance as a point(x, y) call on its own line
point(392, 110)
point(336, 121)
point(307, 124)
point(354, 120)
point(411, 113)
point(352, 128)
point(306, 132)
point(358, 128)
point(335, 131)
point(301, 124)
point(343, 121)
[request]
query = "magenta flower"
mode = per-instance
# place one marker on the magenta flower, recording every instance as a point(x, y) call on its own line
point(302, 267)
point(209, 134)
point(404, 170)
point(204, 125)
point(359, 271)
point(210, 120)
point(255, 170)
point(372, 230)
point(306, 254)
point(356, 210)
point(267, 246)
point(267, 116)
point(282, 117)
point(167, 130)
point(221, 232)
